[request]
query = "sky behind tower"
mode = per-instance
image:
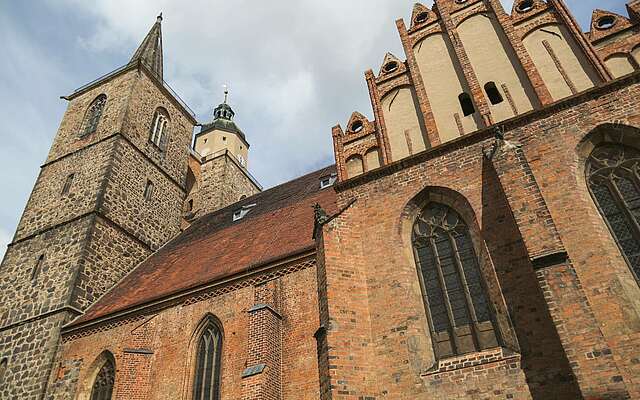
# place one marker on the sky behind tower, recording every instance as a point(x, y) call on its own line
point(295, 69)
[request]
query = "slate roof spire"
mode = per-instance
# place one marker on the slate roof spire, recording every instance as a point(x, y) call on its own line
point(150, 50)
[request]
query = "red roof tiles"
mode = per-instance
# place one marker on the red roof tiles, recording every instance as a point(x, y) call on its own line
point(214, 247)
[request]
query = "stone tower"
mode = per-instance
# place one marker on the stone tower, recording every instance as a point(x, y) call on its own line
point(110, 193)
point(220, 159)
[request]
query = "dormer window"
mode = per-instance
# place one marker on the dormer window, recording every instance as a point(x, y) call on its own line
point(159, 128)
point(242, 212)
point(327, 181)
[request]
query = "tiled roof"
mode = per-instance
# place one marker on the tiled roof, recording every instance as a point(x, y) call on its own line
point(214, 247)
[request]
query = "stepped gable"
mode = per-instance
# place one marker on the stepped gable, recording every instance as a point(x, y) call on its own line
point(214, 247)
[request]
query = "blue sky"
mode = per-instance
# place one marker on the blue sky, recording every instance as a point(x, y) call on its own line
point(295, 69)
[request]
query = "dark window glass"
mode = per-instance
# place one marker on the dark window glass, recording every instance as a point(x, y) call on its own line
point(206, 383)
point(37, 268)
point(459, 310)
point(92, 117)
point(466, 104)
point(612, 175)
point(103, 385)
point(493, 93)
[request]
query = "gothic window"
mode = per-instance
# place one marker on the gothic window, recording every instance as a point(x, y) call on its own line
point(459, 311)
point(92, 117)
point(206, 383)
point(159, 128)
point(613, 177)
point(67, 184)
point(103, 385)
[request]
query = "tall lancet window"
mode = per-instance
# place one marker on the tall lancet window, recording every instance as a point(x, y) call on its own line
point(92, 117)
point(206, 383)
point(103, 385)
point(159, 128)
point(459, 311)
point(613, 176)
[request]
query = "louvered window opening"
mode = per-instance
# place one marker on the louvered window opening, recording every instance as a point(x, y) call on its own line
point(206, 384)
point(460, 316)
point(103, 385)
point(93, 115)
point(159, 129)
point(613, 176)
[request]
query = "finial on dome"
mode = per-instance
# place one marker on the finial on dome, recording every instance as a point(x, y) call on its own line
point(159, 19)
point(226, 93)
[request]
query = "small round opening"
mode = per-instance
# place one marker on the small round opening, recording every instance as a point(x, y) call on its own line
point(525, 6)
point(390, 66)
point(606, 22)
point(357, 126)
point(461, 1)
point(422, 17)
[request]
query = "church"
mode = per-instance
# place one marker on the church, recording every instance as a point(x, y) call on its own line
point(477, 238)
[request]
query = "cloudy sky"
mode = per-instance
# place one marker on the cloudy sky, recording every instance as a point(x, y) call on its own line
point(295, 68)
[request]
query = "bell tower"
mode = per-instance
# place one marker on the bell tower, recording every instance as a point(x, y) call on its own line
point(108, 195)
point(222, 153)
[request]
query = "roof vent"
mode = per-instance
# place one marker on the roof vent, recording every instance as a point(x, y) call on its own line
point(327, 181)
point(242, 212)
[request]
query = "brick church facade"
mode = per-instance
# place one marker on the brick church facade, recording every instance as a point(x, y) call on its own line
point(479, 238)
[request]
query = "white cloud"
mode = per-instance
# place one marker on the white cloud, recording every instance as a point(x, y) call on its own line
point(295, 69)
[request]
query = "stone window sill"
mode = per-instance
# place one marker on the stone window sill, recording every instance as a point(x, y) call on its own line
point(472, 360)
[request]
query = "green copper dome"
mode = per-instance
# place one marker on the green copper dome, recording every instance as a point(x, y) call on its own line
point(223, 120)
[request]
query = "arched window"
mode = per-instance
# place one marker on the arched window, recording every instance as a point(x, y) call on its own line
point(103, 385)
point(92, 117)
point(459, 311)
point(206, 383)
point(493, 93)
point(612, 173)
point(466, 104)
point(159, 128)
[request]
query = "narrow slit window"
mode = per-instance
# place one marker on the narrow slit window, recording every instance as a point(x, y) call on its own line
point(494, 95)
point(37, 268)
point(67, 184)
point(148, 191)
point(466, 104)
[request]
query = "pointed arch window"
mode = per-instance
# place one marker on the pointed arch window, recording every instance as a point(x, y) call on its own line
point(460, 316)
point(613, 177)
point(159, 128)
point(103, 385)
point(206, 382)
point(92, 117)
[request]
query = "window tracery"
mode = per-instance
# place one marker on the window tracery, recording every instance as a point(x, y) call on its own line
point(92, 117)
point(103, 385)
point(206, 383)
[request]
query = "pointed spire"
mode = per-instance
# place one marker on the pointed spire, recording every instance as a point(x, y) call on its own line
point(150, 50)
